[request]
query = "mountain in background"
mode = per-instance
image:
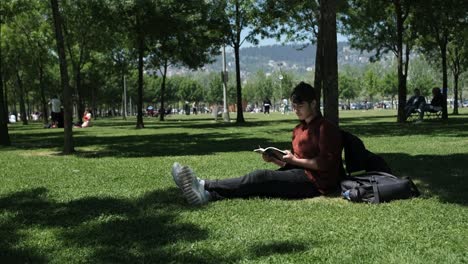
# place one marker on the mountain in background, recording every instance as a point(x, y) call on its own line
point(272, 58)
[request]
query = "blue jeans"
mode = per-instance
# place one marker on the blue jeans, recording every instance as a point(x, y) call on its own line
point(290, 184)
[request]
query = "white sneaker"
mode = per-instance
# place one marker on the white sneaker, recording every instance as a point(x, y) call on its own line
point(176, 168)
point(193, 188)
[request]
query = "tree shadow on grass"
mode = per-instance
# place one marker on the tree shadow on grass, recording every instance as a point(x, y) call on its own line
point(110, 230)
point(156, 145)
point(277, 247)
point(443, 176)
point(456, 127)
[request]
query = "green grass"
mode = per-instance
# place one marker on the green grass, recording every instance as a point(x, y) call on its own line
point(115, 202)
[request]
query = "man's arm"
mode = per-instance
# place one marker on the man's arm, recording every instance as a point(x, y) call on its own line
point(330, 151)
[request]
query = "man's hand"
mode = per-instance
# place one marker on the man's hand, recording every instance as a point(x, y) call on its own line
point(289, 157)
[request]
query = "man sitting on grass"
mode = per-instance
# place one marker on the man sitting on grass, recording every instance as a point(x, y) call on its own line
point(310, 169)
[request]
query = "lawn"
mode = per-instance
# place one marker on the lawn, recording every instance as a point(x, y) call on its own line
point(115, 202)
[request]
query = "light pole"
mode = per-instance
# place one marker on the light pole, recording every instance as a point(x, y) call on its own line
point(125, 98)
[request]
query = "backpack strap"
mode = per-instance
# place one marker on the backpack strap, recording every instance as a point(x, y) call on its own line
point(376, 190)
point(383, 174)
point(414, 189)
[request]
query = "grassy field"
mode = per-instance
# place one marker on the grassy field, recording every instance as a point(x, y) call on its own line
point(115, 202)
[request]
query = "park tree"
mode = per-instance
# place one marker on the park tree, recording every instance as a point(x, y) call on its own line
point(189, 37)
point(437, 24)
point(87, 28)
point(422, 75)
point(214, 92)
point(4, 135)
point(259, 86)
point(370, 82)
point(349, 85)
point(389, 85)
point(458, 61)
point(243, 17)
point(138, 20)
point(314, 22)
point(26, 41)
point(296, 21)
point(68, 146)
point(382, 26)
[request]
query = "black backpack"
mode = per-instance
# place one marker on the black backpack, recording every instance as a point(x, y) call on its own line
point(368, 178)
point(378, 187)
point(358, 159)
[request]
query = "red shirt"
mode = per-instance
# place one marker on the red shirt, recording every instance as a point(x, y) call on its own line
point(320, 140)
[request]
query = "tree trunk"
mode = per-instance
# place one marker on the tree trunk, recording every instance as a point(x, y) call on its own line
point(68, 147)
point(330, 62)
point(401, 78)
point(318, 78)
point(443, 51)
point(455, 93)
point(240, 110)
point(163, 91)
point(141, 46)
point(79, 93)
point(45, 112)
point(94, 103)
point(24, 116)
point(4, 135)
point(5, 101)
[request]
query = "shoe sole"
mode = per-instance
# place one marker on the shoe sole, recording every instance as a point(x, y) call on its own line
point(191, 195)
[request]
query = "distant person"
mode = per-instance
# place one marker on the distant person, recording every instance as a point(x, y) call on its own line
point(194, 108)
point(285, 105)
point(267, 105)
point(85, 120)
point(415, 102)
point(310, 169)
point(436, 103)
point(55, 113)
point(12, 118)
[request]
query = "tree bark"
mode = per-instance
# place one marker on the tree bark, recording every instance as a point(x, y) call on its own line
point(4, 135)
point(68, 146)
point(240, 110)
point(5, 100)
point(24, 116)
point(163, 91)
point(141, 46)
point(455, 93)
point(79, 93)
point(330, 61)
point(401, 77)
point(45, 112)
point(443, 51)
point(318, 78)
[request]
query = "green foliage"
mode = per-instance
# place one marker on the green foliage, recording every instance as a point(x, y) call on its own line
point(422, 76)
point(348, 83)
point(115, 201)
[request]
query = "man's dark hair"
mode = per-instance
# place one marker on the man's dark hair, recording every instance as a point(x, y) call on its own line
point(303, 92)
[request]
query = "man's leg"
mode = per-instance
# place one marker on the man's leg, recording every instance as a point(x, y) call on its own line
point(264, 183)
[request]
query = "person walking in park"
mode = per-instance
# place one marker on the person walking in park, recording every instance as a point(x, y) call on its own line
point(55, 113)
point(310, 169)
point(267, 105)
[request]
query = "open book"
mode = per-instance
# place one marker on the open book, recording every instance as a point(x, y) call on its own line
point(272, 152)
